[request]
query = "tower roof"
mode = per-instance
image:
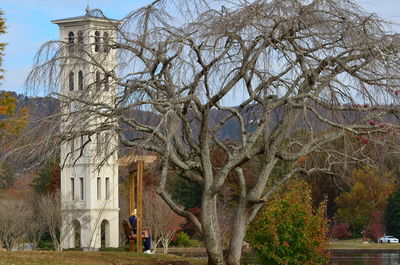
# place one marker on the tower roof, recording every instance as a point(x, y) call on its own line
point(90, 15)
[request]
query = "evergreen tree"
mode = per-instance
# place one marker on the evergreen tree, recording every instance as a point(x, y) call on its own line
point(48, 179)
point(185, 192)
point(392, 214)
point(7, 176)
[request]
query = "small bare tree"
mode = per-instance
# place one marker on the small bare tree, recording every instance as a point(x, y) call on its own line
point(164, 223)
point(50, 213)
point(261, 68)
point(14, 221)
point(49, 208)
point(36, 227)
point(36, 230)
point(124, 213)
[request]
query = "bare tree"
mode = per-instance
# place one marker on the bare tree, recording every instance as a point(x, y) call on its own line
point(14, 221)
point(50, 214)
point(164, 223)
point(49, 208)
point(36, 230)
point(124, 213)
point(260, 68)
point(35, 225)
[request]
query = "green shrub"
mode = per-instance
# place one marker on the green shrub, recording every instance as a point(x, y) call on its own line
point(288, 231)
point(183, 240)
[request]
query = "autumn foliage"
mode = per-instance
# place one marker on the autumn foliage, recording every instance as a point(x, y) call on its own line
point(339, 231)
point(375, 229)
point(289, 231)
point(13, 120)
point(367, 196)
point(2, 45)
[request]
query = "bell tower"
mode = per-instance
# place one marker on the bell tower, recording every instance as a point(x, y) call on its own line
point(89, 175)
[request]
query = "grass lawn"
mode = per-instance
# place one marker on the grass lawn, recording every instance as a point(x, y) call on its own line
point(358, 244)
point(91, 258)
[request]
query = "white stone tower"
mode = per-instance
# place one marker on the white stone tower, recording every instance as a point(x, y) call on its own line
point(89, 193)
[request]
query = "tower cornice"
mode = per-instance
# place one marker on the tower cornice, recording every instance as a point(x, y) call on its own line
point(90, 16)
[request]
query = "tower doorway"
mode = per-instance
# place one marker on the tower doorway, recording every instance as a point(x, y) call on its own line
point(76, 226)
point(105, 234)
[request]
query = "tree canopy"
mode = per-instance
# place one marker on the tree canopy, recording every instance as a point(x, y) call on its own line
point(367, 196)
point(262, 68)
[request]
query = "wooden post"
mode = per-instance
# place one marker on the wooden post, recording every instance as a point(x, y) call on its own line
point(131, 204)
point(131, 192)
point(140, 168)
point(131, 245)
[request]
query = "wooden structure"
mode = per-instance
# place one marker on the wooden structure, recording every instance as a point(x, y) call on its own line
point(132, 236)
point(136, 164)
point(128, 231)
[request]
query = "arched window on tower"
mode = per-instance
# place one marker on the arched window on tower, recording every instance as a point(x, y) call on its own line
point(71, 81)
point(80, 40)
point(71, 40)
point(80, 80)
point(98, 80)
point(106, 42)
point(97, 41)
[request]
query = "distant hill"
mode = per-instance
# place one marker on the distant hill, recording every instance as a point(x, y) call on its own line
point(40, 107)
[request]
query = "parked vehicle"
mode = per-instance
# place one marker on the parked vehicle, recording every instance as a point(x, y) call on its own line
point(388, 239)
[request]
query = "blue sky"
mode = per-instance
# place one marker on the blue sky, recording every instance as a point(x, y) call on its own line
point(29, 26)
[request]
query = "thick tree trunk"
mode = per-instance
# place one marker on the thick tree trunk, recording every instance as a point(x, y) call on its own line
point(238, 233)
point(211, 233)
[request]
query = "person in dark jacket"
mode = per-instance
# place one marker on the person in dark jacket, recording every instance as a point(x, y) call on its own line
point(133, 222)
point(147, 237)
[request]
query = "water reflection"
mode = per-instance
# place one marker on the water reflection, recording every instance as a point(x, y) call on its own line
point(365, 258)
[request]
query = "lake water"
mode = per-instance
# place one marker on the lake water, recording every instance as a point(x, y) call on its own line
point(366, 258)
point(339, 257)
point(353, 257)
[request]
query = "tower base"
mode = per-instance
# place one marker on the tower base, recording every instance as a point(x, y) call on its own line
point(90, 229)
